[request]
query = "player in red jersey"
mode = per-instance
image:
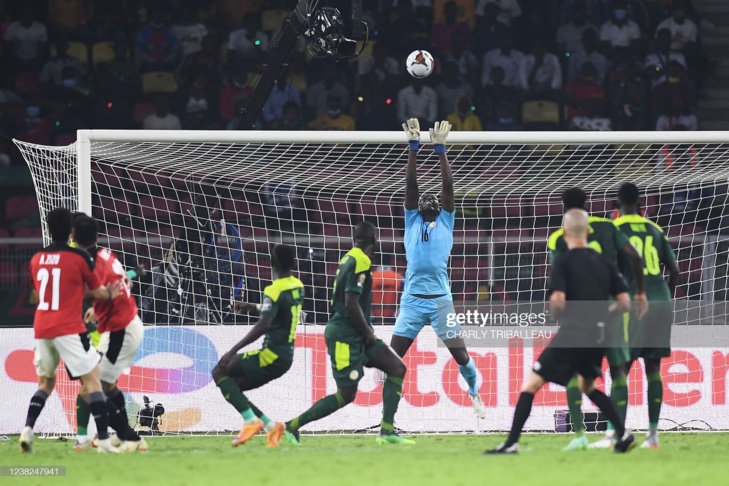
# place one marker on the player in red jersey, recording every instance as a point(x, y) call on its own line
point(60, 274)
point(121, 334)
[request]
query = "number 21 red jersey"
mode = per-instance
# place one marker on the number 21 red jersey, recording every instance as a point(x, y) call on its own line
point(59, 274)
point(113, 315)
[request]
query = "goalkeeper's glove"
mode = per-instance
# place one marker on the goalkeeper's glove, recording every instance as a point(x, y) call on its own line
point(438, 136)
point(412, 129)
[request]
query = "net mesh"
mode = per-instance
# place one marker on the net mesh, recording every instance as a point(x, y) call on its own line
point(202, 217)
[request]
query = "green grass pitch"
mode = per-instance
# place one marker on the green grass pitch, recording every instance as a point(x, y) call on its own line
point(684, 459)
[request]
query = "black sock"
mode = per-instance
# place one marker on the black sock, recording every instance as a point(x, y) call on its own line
point(116, 397)
point(97, 405)
point(608, 408)
point(521, 414)
point(37, 402)
point(120, 423)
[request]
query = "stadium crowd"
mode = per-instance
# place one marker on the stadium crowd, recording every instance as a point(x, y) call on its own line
point(500, 65)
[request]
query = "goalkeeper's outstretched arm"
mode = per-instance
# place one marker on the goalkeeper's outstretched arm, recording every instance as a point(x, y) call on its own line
point(412, 129)
point(438, 136)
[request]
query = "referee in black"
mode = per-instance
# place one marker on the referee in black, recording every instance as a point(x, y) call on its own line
point(580, 274)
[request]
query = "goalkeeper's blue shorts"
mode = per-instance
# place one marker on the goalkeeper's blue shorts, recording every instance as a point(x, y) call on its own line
point(415, 313)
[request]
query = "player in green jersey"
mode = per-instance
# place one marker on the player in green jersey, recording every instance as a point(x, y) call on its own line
point(352, 345)
point(280, 313)
point(604, 238)
point(650, 336)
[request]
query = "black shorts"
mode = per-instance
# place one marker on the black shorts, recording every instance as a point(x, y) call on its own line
point(560, 365)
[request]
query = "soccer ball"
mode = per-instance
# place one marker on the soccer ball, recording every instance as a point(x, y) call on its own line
point(419, 64)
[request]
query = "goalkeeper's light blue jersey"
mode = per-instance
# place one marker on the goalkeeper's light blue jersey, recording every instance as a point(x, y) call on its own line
point(428, 248)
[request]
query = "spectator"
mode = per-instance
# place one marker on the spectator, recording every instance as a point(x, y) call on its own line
point(536, 25)
point(594, 10)
point(570, 35)
point(318, 94)
point(464, 119)
point(683, 30)
point(507, 58)
point(206, 60)
point(678, 118)
point(198, 106)
point(465, 10)
point(282, 205)
point(417, 101)
point(282, 93)
point(189, 31)
point(506, 120)
point(51, 73)
point(236, 89)
point(161, 119)
point(247, 43)
point(240, 103)
point(233, 12)
point(291, 120)
point(375, 109)
point(588, 53)
point(119, 76)
point(593, 120)
point(441, 33)
point(380, 64)
point(584, 89)
point(109, 20)
point(626, 98)
point(619, 35)
point(676, 83)
point(404, 33)
point(35, 126)
point(334, 119)
point(451, 89)
point(509, 9)
point(493, 94)
point(466, 62)
point(656, 64)
point(489, 29)
point(68, 17)
point(157, 46)
point(28, 39)
point(8, 97)
point(540, 74)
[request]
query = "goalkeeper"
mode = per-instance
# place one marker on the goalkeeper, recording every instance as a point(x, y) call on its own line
point(426, 298)
point(606, 239)
point(280, 314)
point(352, 344)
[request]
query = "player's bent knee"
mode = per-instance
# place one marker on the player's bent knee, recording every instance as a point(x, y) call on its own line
point(46, 384)
point(398, 370)
point(218, 372)
point(348, 394)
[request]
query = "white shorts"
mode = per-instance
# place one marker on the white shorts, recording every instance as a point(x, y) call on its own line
point(118, 349)
point(76, 350)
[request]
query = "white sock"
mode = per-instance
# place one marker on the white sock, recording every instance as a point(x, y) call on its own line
point(82, 438)
point(270, 426)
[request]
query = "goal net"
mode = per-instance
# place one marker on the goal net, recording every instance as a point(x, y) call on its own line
point(200, 210)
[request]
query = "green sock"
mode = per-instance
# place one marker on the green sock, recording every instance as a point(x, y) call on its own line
point(574, 403)
point(391, 394)
point(259, 414)
point(83, 413)
point(326, 406)
point(655, 399)
point(231, 392)
point(619, 396)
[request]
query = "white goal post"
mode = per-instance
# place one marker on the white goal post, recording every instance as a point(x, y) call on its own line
point(200, 209)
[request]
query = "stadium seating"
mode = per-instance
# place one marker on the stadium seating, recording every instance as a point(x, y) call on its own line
point(27, 83)
point(540, 115)
point(159, 82)
point(102, 52)
point(20, 207)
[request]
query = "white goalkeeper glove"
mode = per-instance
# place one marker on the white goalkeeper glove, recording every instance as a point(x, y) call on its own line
point(412, 130)
point(438, 135)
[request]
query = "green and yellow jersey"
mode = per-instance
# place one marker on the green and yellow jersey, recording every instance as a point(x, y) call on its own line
point(652, 245)
point(353, 276)
point(604, 237)
point(282, 300)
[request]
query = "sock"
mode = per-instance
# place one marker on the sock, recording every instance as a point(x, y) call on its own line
point(268, 425)
point(120, 423)
point(608, 408)
point(37, 402)
point(117, 398)
point(232, 393)
point(655, 399)
point(468, 372)
point(324, 407)
point(521, 414)
point(574, 403)
point(97, 405)
point(619, 396)
point(391, 394)
point(83, 414)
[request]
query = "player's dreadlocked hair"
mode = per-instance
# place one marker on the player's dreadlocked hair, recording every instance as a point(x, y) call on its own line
point(629, 194)
point(283, 257)
point(574, 199)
